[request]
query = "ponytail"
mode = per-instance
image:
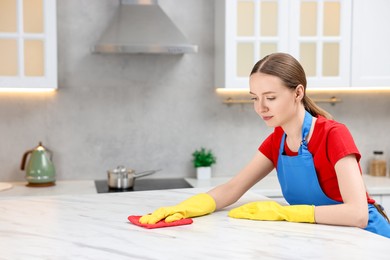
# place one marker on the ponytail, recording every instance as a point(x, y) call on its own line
point(313, 109)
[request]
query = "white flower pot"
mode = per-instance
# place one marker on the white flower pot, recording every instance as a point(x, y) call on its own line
point(203, 173)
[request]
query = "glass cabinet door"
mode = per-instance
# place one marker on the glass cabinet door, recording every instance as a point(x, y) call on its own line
point(316, 32)
point(258, 33)
point(28, 44)
point(253, 29)
point(320, 39)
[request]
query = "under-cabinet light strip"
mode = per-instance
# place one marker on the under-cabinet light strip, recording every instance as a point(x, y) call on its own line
point(332, 100)
point(316, 90)
point(27, 90)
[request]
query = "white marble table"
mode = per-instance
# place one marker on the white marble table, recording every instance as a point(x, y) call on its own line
point(270, 187)
point(96, 227)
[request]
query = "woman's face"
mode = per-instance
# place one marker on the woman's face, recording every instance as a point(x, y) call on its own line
point(275, 103)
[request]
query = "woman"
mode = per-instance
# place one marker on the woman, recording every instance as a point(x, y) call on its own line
point(316, 160)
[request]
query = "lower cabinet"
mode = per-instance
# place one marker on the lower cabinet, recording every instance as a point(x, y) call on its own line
point(386, 203)
point(384, 200)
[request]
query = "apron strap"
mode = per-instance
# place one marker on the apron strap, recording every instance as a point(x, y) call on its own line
point(306, 126)
point(305, 131)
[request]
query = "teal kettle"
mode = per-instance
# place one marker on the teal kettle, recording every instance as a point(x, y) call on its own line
point(39, 168)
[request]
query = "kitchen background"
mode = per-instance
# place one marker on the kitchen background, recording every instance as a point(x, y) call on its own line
point(150, 111)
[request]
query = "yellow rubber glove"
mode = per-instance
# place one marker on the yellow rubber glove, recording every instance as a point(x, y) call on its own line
point(270, 210)
point(198, 205)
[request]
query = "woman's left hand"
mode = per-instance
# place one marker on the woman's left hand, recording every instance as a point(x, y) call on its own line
point(271, 210)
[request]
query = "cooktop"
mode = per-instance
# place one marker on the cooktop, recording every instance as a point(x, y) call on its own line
point(145, 184)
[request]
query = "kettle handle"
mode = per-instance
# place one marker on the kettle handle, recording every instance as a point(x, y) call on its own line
point(24, 158)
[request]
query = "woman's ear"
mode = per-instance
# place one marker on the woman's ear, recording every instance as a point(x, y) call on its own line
point(299, 92)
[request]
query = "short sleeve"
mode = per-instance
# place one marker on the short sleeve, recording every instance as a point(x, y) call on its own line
point(340, 144)
point(266, 147)
point(270, 146)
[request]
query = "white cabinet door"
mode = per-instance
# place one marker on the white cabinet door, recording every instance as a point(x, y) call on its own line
point(384, 200)
point(246, 31)
point(28, 45)
point(371, 43)
point(320, 39)
point(386, 203)
point(377, 198)
point(316, 32)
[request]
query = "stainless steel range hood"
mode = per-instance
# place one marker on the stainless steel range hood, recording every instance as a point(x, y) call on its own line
point(141, 26)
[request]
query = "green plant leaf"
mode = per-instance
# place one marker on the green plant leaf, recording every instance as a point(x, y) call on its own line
point(203, 158)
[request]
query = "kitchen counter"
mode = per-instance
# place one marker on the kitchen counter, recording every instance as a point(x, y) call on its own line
point(61, 188)
point(81, 187)
point(377, 185)
point(270, 187)
point(96, 227)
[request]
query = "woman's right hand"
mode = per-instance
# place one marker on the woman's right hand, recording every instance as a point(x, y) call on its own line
point(198, 205)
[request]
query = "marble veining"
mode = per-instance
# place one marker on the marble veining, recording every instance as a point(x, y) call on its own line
point(96, 227)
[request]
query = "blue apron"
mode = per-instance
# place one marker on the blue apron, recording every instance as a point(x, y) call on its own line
point(299, 183)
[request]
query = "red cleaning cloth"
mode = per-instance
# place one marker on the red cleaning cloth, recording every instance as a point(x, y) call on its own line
point(160, 224)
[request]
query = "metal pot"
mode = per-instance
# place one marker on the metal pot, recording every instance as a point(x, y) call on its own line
point(122, 178)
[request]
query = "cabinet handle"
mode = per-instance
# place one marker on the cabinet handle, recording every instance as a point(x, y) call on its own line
point(231, 101)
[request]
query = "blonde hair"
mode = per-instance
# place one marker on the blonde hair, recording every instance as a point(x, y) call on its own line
point(290, 71)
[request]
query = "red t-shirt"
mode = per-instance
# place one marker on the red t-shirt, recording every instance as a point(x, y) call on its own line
point(329, 142)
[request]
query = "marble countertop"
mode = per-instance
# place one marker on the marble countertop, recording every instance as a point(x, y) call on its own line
point(60, 188)
point(96, 227)
point(270, 187)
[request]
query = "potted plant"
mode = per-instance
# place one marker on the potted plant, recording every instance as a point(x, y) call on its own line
point(203, 159)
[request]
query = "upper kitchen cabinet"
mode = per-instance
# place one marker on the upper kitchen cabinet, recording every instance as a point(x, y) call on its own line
point(28, 45)
point(246, 31)
point(317, 33)
point(320, 39)
point(371, 43)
